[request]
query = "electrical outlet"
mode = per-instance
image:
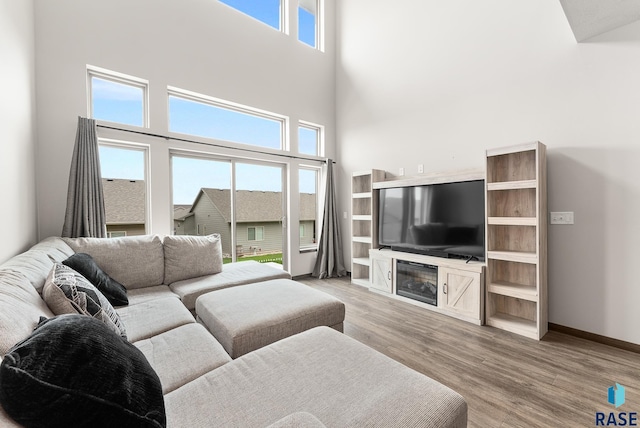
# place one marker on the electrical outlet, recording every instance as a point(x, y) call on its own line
point(561, 217)
point(344, 214)
point(401, 171)
point(420, 168)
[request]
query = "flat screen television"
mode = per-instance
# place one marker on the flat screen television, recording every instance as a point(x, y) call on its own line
point(442, 220)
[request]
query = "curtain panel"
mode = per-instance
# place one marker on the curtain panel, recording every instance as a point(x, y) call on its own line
point(85, 214)
point(330, 260)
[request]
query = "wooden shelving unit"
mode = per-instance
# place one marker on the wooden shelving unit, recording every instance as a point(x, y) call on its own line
point(516, 275)
point(364, 223)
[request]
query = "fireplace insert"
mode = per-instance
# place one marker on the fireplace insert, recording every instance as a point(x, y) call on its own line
point(417, 281)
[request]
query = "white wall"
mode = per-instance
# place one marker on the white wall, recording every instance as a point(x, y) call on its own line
point(198, 45)
point(17, 113)
point(437, 83)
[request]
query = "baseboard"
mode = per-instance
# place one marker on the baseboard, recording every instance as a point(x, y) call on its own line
point(627, 346)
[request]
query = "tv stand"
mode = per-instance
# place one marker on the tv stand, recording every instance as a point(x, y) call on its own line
point(460, 284)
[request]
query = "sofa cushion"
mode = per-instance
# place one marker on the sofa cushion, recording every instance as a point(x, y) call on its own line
point(153, 317)
point(20, 308)
point(73, 370)
point(183, 354)
point(141, 295)
point(68, 292)
point(298, 419)
point(36, 263)
point(187, 256)
point(84, 264)
point(335, 378)
point(232, 274)
point(133, 261)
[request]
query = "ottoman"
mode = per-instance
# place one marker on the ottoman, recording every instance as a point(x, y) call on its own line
point(247, 317)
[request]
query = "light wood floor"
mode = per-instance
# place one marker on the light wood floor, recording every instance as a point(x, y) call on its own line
point(507, 380)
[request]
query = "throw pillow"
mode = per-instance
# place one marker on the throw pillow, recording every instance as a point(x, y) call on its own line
point(188, 256)
point(74, 371)
point(67, 292)
point(84, 264)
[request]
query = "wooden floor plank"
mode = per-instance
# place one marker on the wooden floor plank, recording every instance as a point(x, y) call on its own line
point(507, 380)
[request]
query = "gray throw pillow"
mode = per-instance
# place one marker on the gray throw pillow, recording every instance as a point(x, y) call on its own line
point(68, 292)
point(188, 256)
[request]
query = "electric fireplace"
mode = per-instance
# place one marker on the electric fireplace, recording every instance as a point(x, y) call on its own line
point(417, 281)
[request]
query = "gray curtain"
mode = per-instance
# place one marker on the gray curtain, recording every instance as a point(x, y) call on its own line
point(85, 215)
point(330, 258)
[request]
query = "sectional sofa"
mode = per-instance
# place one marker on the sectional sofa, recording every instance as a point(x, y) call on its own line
point(316, 378)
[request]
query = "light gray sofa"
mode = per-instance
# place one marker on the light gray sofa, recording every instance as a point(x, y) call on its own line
point(316, 378)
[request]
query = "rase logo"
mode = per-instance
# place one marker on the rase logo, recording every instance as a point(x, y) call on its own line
point(616, 397)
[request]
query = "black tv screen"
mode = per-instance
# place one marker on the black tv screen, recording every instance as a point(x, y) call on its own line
point(444, 220)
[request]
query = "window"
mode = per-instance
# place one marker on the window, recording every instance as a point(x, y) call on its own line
point(308, 22)
point(308, 179)
point(309, 139)
point(206, 117)
point(115, 97)
point(255, 233)
point(267, 11)
point(125, 189)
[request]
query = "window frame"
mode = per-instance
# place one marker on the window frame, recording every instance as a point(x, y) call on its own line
point(319, 24)
point(319, 137)
point(123, 79)
point(319, 209)
point(231, 106)
point(140, 147)
point(283, 16)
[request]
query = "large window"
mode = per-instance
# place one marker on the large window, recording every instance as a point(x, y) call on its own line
point(115, 97)
point(125, 189)
point(210, 118)
point(308, 183)
point(268, 11)
point(308, 22)
point(310, 139)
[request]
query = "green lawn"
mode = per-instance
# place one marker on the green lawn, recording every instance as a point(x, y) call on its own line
point(275, 258)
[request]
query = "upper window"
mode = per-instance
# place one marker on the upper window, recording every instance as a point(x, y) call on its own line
point(267, 11)
point(210, 118)
point(309, 139)
point(308, 22)
point(115, 97)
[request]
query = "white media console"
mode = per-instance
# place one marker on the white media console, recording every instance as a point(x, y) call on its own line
point(509, 289)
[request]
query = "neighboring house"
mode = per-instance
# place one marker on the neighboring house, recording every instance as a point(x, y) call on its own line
point(182, 218)
point(124, 202)
point(259, 218)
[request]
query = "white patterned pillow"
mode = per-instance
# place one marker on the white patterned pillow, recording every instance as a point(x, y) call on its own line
point(68, 292)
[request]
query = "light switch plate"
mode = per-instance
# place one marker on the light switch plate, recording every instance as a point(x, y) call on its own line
point(561, 217)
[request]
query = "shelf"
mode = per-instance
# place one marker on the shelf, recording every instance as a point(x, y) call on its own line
point(513, 324)
point(362, 239)
point(511, 289)
point(513, 256)
point(511, 185)
point(361, 217)
point(361, 261)
point(512, 221)
point(361, 195)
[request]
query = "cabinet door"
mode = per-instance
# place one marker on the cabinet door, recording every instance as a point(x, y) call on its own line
point(461, 292)
point(381, 273)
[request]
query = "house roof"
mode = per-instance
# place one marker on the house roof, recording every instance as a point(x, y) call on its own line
point(124, 201)
point(256, 206)
point(180, 212)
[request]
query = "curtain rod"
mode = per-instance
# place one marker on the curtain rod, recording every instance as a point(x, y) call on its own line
point(186, 140)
